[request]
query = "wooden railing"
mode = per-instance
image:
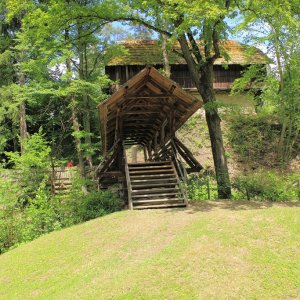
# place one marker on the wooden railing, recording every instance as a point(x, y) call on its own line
point(128, 182)
point(104, 165)
point(182, 186)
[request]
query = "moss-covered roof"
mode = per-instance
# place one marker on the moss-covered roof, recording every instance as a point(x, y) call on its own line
point(142, 52)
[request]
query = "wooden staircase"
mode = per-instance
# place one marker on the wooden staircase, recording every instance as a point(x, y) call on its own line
point(154, 185)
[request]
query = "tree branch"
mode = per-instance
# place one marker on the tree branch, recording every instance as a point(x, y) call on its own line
point(192, 65)
point(142, 22)
point(215, 37)
point(178, 53)
point(195, 47)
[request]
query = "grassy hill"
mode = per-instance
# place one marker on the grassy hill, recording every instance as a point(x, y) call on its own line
point(215, 250)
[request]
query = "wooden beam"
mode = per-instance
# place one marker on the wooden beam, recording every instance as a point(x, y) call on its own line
point(150, 97)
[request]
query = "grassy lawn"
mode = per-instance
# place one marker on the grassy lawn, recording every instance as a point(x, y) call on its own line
point(213, 250)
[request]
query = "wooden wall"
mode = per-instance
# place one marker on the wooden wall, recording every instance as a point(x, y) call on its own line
point(180, 74)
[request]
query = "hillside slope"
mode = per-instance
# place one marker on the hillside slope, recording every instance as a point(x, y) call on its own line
point(215, 250)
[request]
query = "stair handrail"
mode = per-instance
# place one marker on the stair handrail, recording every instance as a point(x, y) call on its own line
point(108, 159)
point(183, 191)
point(127, 176)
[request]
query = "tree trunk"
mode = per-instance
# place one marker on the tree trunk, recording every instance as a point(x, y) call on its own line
point(83, 74)
point(214, 126)
point(281, 144)
point(167, 67)
point(22, 109)
point(74, 118)
point(76, 129)
point(204, 83)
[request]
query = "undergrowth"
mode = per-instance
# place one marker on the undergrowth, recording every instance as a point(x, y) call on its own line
point(29, 210)
point(258, 185)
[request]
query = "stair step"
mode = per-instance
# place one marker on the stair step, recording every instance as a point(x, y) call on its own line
point(159, 206)
point(151, 171)
point(150, 163)
point(158, 180)
point(152, 176)
point(150, 168)
point(155, 195)
point(156, 200)
point(151, 185)
point(153, 191)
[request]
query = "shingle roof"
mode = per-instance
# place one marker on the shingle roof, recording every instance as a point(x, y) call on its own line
point(143, 52)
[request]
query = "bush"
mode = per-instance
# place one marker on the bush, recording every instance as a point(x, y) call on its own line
point(26, 215)
point(40, 216)
point(254, 137)
point(84, 202)
point(202, 187)
point(267, 185)
point(98, 203)
point(10, 212)
point(33, 166)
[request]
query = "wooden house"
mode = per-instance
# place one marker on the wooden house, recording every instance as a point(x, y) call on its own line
point(139, 53)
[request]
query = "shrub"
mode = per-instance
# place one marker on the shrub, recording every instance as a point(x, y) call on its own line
point(202, 187)
point(254, 137)
point(29, 212)
point(40, 216)
point(267, 185)
point(33, 166)
point(10, 212)
point(99, 203)
point(87, 206)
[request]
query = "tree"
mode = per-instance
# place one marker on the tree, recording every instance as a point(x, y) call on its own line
point(65, 55)
point(277, 26)
point(11, 71)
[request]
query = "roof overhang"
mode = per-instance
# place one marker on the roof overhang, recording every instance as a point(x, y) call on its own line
point(144, 105)
point(143, 52)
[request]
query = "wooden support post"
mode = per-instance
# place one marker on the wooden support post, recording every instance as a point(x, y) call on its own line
point(172, 122)
point(149, 150)
point(145, 153)
point(117, 129)
point(155, 141)
point(128, 182)
point(162, 132)
point(126, 73)
point(118, 77)
point(120, 155)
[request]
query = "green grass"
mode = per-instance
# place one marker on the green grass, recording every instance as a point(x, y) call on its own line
point(213, 250)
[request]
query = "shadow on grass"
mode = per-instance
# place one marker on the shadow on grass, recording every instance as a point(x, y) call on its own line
point(234, 205)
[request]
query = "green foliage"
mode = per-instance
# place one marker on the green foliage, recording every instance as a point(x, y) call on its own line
point(98, 203)
point(267, 185)
point(254, 137)
point(202, 187)
point(84, 202)
point(44, 213)
point(28, 210)
point(10, 225)
point(33, 165)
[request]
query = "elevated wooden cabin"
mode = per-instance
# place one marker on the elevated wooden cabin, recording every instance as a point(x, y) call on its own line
point(147, 111)
point(140, 53)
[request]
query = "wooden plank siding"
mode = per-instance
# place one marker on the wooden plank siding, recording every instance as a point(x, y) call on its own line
point(223, 77)
point(140, 53)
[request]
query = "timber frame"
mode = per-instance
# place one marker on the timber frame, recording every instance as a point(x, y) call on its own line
point(146, 111)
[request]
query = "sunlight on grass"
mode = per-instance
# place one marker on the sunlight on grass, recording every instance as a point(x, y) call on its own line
point(210, 251)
